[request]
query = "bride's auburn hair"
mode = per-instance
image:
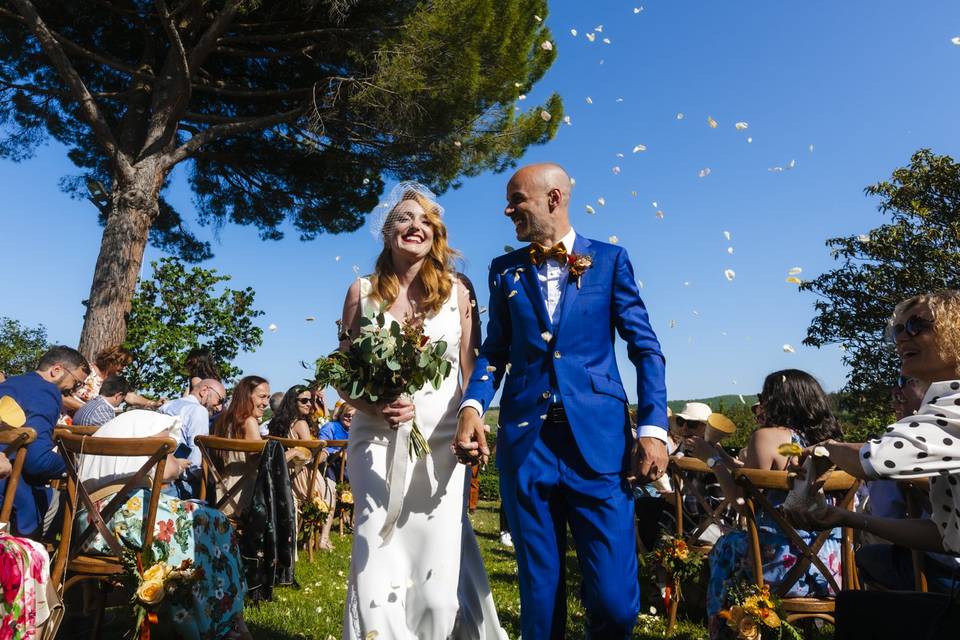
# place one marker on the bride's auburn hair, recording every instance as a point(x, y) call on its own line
point(438, 267)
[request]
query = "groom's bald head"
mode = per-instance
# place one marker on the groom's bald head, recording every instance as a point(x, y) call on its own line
point(538, 200)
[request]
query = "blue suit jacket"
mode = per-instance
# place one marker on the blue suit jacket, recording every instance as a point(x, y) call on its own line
point(577, 363)
point(40, 401)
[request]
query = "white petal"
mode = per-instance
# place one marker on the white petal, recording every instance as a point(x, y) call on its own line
point(272, 327)
point(673, 324)
point(598, 28)
point(789, 349)
point(729, 274)
point(538, 18)
point(726, 235)
point(602, 201)
point(547, 336)
point(476, 352)
point(795, 271)
point(512, 293)
point(545, 116)
point(484, 377)
point(955, 40)
point(749, 140)
point(491, 368)
point(573, 32)
point(810, 148)
point(546, 45)
point(638, 10)
point(792, 164)
point(566, 120)
point(619, 155)
point(654, 204)
point(640, 147)
point(591, 210)
point(659, 215)
point(356, 270)
point(711, 122)
point(679, 116)
point(589, 100)
point(507, 367)
point(741, 126)
point(523, 424)
point(863, 238)
point(640, 283)
point(704, 172)
point(606, 41)
point(742, 401)
point(730, 250)
point(633, 193)
point(522, 96)
point(336, 259)
point(516, 277)
point(616, 171)
point(686, 283)
point(591, 37)
point(517, 85)
point(613, 239)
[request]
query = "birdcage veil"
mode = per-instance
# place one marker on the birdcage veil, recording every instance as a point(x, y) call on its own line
point(380, 221)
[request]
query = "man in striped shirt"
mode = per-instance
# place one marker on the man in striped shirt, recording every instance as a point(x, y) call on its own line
point(103, 408)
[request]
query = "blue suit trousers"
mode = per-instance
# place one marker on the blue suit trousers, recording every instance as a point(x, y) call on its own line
point(552, 488)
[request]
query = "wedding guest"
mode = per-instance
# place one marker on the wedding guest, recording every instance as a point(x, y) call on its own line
point(241, 421)
point(195, 410)
point(199, 365)
point(184, 530)
point(294, 419)
point(795, 409)
point(109, 362)
point(925, 331)
point(40, 394)
point(275, 400)
point(103, 407)
point(337, 429)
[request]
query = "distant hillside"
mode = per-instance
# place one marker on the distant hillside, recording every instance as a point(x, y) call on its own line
point(716, 402)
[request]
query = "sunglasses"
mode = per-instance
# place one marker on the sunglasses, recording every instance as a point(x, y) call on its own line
point(77, 382)
point(913, 327)
point(693, 424)
point(304, 400)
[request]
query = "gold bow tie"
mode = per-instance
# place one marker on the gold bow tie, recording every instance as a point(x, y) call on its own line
point(539, 253)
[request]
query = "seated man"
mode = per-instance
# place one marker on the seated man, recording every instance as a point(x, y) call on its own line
point(205, 399)
point(40, 394)
point(103, 408)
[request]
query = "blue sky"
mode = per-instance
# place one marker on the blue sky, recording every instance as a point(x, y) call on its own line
point(866, 82)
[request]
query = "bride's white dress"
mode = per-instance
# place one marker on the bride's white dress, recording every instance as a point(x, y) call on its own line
point(423, 577)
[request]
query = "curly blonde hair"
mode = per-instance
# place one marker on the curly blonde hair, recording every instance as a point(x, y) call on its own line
point(944, 306)
point(438, 267)
point(113, 359)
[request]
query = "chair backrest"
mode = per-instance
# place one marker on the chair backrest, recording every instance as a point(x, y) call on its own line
point(916, 494)
point(73, 447)
point(12, 440)
point(230, 501)
point(82, 430)
point(682, 470)
point(838, 484)
point(315, 447)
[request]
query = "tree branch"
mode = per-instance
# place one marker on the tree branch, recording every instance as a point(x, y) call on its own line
point(224, 130)
point(171, 98)
point(209, 39)
point(265, 94)
point(88, 105)
point(287, 37)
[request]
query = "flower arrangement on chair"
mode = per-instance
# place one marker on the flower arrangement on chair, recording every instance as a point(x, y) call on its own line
point(677, 563)
point(312, 515)
point(154, 586)
point(756, 615)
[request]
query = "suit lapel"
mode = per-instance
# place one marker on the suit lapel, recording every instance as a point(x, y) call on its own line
point(531, 283)
point(570, 291)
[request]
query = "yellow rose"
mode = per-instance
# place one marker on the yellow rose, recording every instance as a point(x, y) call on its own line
point(747, 629)
point(346, 497)
point(157, 572)
point(770, 618)
point(151, 592)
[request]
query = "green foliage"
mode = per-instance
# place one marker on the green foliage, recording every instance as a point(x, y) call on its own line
point(317, 102)
point(917, 251)
point(180, 309)
point(20, 346)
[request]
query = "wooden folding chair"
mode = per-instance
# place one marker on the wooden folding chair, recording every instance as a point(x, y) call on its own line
point(340, 473)
point(227, 498)
point(70, 556)
point(81, 430)
point(680, 469)
point(316, 448)
point(916, 493)
point(838, 484)
point(12, 440)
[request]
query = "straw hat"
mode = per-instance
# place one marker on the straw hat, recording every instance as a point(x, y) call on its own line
point(10, 412)
point(695, 411)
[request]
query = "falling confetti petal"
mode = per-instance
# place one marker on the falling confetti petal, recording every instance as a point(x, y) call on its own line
point(272, 327)
point(679, 116)
point(730, 250)
point(789, 349)
point(740, 395)
point(336, 259)
point(367, 180)
point(491, 368)
point(640, 147)
point(810, 148)
point(508, 248)
point(640, 283)
point(309, 319)
point(566, 120)
point(591, 37)
point(792, 164)
point(517, 85)
point(795, 271)
point(538, 18)
point(547, 336)
point(726, 235)
point(638, 10)
point(654, 204)
point(741, 126)
point(673, 324)
point(711, 122)
point(523, 424)
point(729, 274)
point(602, 201)
point(546, 45)
point(659, 215)
point(794, 280)
point(863, 238)
point(955, 40)
point(749, 140)
point(613, 239)
point(619, 155)
point(598, 28)
point(545, 116)
point(591, 210)
point(616, 171)
point(589, 100)
point(633, 193)
point(512, 293)
point(356, 270)
point(573, 32)
point(686, 283)
point(522, 96)
point(606, 41)
point(704, 172)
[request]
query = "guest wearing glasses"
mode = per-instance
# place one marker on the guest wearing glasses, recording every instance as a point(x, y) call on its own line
point(195, 409)
point(40, 393)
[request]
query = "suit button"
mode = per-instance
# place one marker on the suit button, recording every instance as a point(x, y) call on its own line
point(545, 394)
point(556, 354)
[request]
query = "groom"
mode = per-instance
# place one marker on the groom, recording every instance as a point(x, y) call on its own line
point(564, 445)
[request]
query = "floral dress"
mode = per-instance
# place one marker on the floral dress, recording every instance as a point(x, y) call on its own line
point(187, 530)
point(24, 573)
point(730, 559)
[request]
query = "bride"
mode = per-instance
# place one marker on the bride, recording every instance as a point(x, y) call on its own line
point(415, 568)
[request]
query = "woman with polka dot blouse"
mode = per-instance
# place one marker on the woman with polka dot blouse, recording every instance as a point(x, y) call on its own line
point(925, 331)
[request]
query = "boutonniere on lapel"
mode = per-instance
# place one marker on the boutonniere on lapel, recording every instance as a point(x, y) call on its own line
point(577, 264)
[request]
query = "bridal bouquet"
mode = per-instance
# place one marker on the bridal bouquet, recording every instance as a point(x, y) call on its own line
point(384, 362)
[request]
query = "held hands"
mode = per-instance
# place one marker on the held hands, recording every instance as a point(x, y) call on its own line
point(397, 412)
point(649, 460)
point(470, 443)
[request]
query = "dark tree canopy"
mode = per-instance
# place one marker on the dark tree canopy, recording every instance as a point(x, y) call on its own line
point(285, 112)
point(918, 251)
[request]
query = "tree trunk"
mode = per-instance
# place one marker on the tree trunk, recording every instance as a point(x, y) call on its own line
point(133, 208)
